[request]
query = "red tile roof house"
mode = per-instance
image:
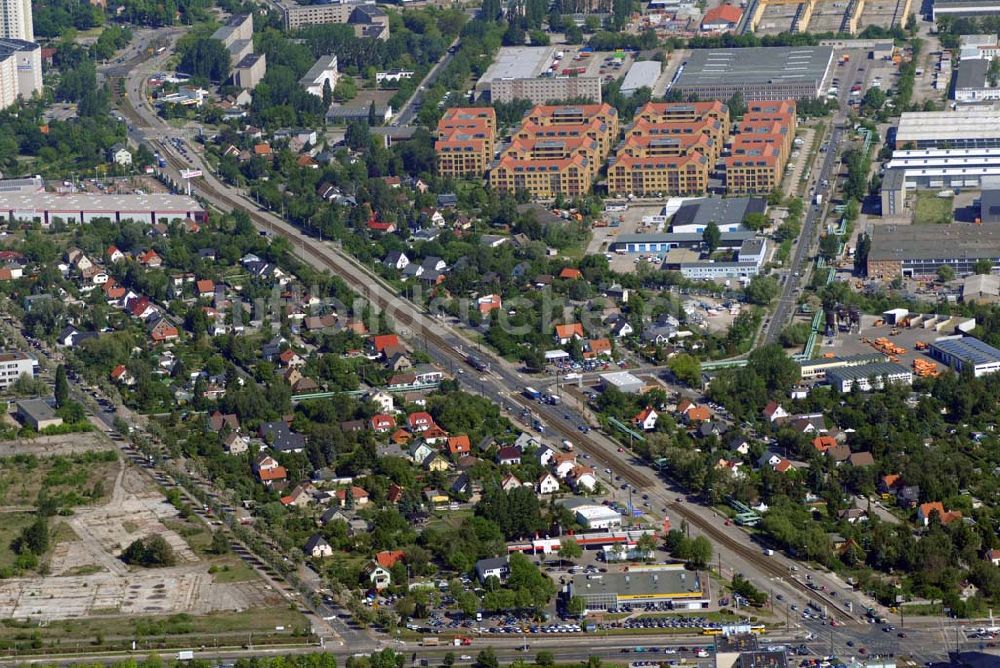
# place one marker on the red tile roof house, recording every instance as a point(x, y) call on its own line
point(121, 375)
point(570, 273)
point(163, 331)
point(566, 333)
point(434, 435)
point(383, 341)
point(646, 419)
point(459, 445)
point(420, 421)
point(389, 558)
point(359, 496)
point(205, 288)
point(925, 510)
point(383, 423)
point(721, 19)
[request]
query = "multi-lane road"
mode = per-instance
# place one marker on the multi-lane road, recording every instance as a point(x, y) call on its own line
point(503, 383)
point(848, 75)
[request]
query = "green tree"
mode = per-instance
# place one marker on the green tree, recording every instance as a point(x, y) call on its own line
point(737, 106)
point(829, 246)
point(576, 606)
point(220, 543)
point(756, 221)
point(545, 658)
point(61, 386)
point(646, 544)
point(206, 59)
point(686, 368)
point(983, 266)
point(945, 273)
point(761, 290)
point(487, 658)
point(151, 551)
point(569, 550)
point(711, 236)
point(778, 371)
point(699, 552)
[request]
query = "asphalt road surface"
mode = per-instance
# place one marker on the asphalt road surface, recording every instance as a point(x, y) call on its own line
point(848, 75)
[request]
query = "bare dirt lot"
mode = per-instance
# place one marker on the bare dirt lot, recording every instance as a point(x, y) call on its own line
point(89, 579)
point(63, 444)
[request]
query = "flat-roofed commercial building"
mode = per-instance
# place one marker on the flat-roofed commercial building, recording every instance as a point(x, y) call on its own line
point(361, 14)
point(642, 74)
point(963, 8)
point(815, 369)
point(465, 141)
point(84, 207)
point(516, 62)
point(662, 242)
point(13, 365)
point(37, 414)
point(945, 167)
point(868, 377)
point(964, 128)
point(918, 250)
point(728, 213)
point(758, 73)
point(640, 586)
point(542, 90)
point(965, 353)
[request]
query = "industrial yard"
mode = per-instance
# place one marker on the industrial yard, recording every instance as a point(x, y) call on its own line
point(904, 339)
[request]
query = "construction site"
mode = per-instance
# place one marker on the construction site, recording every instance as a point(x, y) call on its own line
point(901, 336)
point(771, 17)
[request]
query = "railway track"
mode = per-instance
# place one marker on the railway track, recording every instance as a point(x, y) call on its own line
point(360, 282)
point(639, 479)
point(759, 560)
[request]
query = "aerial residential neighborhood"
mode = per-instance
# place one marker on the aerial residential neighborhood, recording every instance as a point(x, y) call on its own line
point(654, 333)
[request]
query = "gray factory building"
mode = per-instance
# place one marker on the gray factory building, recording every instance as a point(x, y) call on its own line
point(759, 73)
point(918, 250)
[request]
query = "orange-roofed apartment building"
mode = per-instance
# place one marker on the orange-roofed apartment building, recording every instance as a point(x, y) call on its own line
point(557, 150)
point(670, 149)
point(761, 148)
point(466, 140)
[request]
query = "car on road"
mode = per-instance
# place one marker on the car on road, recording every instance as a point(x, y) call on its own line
point(901, 634)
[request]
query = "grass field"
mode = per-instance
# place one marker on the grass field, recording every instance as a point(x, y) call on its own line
point(11, 525)
point(224, 628)
point(72, 480)
point(932, 210)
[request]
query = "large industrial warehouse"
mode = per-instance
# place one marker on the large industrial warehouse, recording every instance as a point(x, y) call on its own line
point(964, 128)
point(760, 73)
point(918, 250)
point(83, 208)
point(965, 353)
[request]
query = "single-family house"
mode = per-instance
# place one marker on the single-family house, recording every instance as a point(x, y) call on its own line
point(317, 547)
point(774, 411)
point(509, 456)
point(547, 484)
point(498, 567)
point(646, 419)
